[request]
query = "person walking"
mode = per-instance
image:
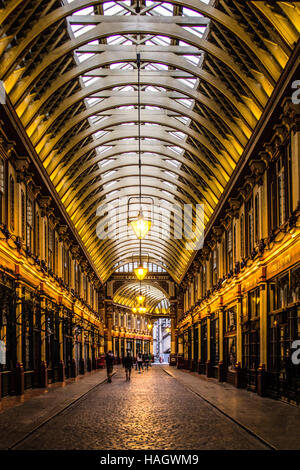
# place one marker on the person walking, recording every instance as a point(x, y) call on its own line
point(146, 361)
point(128, 364)
point(109, 359)
point(139, 361)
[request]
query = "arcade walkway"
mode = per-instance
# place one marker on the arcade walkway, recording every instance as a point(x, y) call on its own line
point(155, 410)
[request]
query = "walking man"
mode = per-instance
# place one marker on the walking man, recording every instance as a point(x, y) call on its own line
point(139, 361)
point(128, 364)
point(109, 358)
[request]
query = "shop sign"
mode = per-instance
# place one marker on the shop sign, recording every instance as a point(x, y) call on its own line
point(2, 353)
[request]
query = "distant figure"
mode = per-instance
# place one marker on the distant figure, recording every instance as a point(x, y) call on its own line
point(160, 359)
point(128, 364)
point(139, 361)
point(146, 360)
point(109, 358)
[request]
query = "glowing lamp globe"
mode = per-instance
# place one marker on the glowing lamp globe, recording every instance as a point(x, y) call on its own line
point(140, 272)
point(142, 309)
point(140, 298)
point(140, 226)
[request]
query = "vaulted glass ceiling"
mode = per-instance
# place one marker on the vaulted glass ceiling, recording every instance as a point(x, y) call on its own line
point(207, 72)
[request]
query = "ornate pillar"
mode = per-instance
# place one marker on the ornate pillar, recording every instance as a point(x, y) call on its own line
point(263, 331)
point(89, 360)
point(199, 347)
point(173, 341)
point(221, 366)
point(108, 318)
point(19, 373)
point(180, 358)
point(239, 338)
point(82, 364)
point(61, 366)
point(44, 366)
point(208, 363)
point(134, 347)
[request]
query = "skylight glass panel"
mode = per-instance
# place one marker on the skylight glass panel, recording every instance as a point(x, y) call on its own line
point(109, 173)
point(185, 102)
point(176, 149)
point(169, 173)
point(179, 135)
point(190, 82)
point(192, 58)
point(103, 148)
point(197, 30)
point(173, 163)
point(84, 11)
point(189, 12)
point(87, 81)
point(108, 185)
point(110, 8)
point(84, 56)
point(170, 185)
point(82, 29)
point(100, 134)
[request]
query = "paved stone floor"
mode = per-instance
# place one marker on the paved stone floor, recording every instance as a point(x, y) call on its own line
point(153, 411)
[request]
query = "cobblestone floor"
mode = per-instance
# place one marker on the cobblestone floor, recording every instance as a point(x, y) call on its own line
point(153, 411)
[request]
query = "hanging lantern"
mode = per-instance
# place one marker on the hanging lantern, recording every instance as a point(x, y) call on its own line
point(142, 309)
point(140, 226)
point(140, 272)
point(140, 298)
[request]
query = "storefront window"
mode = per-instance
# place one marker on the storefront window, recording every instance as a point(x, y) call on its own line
point(231, 352)
point(254, 303)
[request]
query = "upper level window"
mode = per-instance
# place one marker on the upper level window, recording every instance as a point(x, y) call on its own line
point(51, 248)
point(23, 215)
point(254, 303)
point(77, 278)
point(66, 266)
point(280, 189)
point(229, 249)
point(256, 220)
point(12, 203)
point(249, 227)
point(29, 223)
point(214, 266)
point(242, 236)
point(203, 279)
point(196, 288)
point(37, 236)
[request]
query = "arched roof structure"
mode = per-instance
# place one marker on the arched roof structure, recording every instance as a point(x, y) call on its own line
point(208, 69)
point(154, 296)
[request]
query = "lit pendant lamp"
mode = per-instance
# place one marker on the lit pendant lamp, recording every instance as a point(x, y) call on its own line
point(140, 272)
point(140, 298)
point(140, 226)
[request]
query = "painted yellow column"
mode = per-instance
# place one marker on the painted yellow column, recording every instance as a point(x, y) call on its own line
point(263, 327)
point(221, 332)
point(208, 338)
point(19, 324)
point(109, 330)
point(173, 336)
point(239, 351)
point(199, 341)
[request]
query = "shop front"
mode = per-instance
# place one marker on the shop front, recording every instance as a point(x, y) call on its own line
point(8, 358)
point(203, 358)
point(230, 344)
point(283, 376)
point(214, 344)
point(251, 340)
